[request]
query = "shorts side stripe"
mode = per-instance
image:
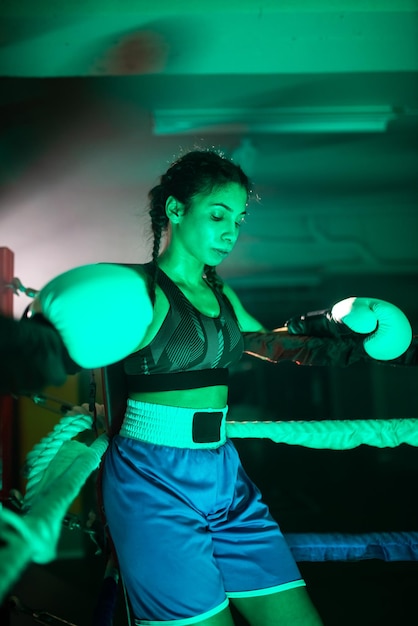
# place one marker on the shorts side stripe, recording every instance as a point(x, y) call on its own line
point(265, 592)
point(188, 620)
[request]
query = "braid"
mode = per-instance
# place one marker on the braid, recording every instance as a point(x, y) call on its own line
point(159, 222)
point(213, 278)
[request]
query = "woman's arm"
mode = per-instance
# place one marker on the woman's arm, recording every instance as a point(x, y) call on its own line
point(279, 345)
point(320, 339)
point(247, 322)
point(101, 311)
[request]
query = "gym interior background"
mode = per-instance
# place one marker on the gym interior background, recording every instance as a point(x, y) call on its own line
point(319, 103)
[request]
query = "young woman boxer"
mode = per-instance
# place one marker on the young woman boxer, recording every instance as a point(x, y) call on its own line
point(190, 530)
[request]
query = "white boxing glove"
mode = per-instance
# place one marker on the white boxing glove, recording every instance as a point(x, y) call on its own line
point(101, 311)
point(389, 328)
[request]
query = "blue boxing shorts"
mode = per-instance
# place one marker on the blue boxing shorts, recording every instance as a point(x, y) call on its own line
point(190, 531)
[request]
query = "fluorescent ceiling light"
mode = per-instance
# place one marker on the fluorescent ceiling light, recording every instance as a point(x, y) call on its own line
point(283, 120)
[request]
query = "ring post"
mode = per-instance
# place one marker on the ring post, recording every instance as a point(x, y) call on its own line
point(6, 402)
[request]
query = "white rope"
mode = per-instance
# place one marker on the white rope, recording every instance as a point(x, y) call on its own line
point(41, 455)
point(34, 536)
point(331, 434)
point(60, 466)
point(100, 445)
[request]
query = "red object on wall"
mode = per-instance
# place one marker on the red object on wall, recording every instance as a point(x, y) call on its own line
point(6, 402)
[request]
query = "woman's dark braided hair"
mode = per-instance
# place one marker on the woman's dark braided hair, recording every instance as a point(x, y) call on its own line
point(198, 171)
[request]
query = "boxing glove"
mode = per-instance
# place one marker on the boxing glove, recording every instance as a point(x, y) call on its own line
point(101, 311)
point(32, 356)
point(386, 331)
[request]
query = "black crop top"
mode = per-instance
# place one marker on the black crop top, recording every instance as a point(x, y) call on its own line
point(190, 349)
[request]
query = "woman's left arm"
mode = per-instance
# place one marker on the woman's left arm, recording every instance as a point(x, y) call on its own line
point(280, 345)
point(330, 337)
point(247, 322)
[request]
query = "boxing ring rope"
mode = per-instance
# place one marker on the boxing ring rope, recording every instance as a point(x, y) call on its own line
point(34, 535)
point(331, 434)
point(54, 450)
point(58, 467)
point(44, 452)
point(385, 546)
point(341, 435)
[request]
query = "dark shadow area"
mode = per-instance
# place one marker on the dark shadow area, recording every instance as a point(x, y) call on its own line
point(366, 593)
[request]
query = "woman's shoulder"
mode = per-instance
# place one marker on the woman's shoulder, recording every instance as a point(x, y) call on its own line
point(247, 322)
point(145, 270)
point(141, 268)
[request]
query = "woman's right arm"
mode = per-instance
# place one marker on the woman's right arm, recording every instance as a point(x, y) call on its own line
point(101, 311)
point(88, 317)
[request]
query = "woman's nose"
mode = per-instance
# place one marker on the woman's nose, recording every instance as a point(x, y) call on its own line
point(230, 232)
point(229, 236)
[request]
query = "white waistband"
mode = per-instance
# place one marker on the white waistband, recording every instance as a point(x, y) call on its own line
point(172, 426)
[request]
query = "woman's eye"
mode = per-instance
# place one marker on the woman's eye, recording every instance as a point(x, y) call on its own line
point(218, 218)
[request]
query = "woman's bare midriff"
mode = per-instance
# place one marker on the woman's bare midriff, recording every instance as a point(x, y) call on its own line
point(202, 398)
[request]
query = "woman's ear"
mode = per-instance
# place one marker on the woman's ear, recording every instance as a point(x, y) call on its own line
point(174, 209)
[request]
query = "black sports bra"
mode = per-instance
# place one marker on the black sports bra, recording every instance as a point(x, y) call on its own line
point(190, 349)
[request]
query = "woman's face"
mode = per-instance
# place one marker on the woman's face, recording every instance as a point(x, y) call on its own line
point(209, 229)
